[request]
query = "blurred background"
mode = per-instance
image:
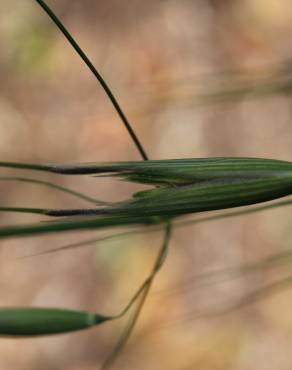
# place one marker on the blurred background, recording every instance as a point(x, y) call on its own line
point(196, 78)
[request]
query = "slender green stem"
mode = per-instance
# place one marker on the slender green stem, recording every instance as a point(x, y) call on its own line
point(54, 186)
point(158, 264)
point(36, 211)
point(97, 75)
point(128, 331)
point(143, 291)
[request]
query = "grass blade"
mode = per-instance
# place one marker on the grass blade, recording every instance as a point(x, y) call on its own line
point(236, 182)
point(45, 321)
point(176, 224)
point(56, 227)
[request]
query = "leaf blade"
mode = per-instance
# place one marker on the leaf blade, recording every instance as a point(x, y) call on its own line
point(25, 322)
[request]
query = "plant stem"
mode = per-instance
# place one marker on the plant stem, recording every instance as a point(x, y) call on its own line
point(97, 75)
point(144, 290)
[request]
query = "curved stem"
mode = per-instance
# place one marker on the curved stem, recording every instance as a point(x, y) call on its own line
point(97, 75)
point(54, 186)
point(144, 290)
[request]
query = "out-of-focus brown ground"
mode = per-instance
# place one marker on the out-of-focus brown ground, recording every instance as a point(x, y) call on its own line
point(157, 56)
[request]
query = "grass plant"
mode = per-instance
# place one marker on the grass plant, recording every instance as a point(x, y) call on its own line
point(179, 187)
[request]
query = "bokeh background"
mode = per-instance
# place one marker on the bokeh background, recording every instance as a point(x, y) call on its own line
point(196, 78)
